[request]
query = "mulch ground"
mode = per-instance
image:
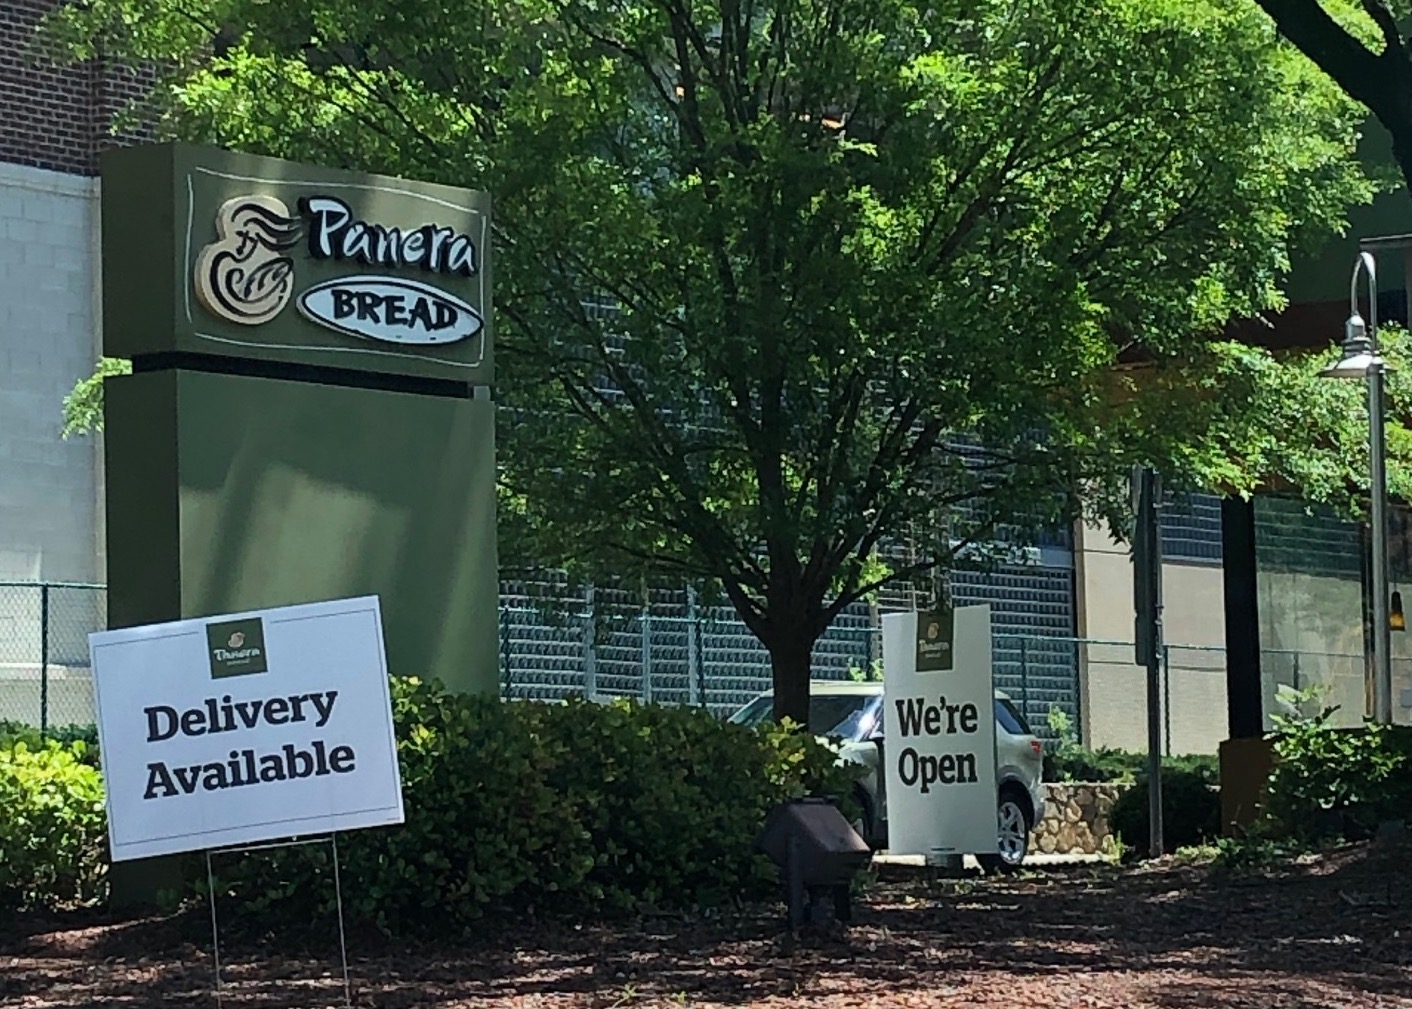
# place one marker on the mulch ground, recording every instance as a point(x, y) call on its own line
point(1328, 931)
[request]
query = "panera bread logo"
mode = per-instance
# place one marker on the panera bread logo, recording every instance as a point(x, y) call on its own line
point(236, 647)
point(247, 275)
point(934, 639)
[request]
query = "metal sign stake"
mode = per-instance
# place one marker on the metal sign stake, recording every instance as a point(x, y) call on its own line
point(332, 841)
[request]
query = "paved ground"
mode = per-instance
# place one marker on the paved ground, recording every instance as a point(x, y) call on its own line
point(1329, 932)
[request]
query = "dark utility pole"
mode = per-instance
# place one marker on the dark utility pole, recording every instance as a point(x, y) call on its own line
point(1147, 601)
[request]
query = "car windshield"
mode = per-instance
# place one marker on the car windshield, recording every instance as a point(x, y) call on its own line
point(846, 716)
point(1009, 716)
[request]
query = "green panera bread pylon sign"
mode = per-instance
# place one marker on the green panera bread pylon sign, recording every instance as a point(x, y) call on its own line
point(309, 415)
point(247, 257)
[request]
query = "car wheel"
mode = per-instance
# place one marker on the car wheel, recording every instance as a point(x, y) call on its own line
point(1013, 838)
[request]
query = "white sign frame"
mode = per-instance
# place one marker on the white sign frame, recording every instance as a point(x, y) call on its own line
point(926, 813)
point(209, 741)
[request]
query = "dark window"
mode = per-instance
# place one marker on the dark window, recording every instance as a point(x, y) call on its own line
point(846, 716)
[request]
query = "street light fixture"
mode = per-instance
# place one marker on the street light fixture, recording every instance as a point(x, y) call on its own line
point(1361, 360)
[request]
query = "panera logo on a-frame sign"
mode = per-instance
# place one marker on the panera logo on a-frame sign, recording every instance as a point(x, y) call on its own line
point(936, 632)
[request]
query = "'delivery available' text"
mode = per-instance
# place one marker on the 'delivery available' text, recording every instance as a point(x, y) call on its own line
point(244, 766)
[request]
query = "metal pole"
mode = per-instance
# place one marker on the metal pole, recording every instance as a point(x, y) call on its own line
point(1382, 632)
point(1078, 687)
point(1154, 751)
point(693, 687)
point(590, 649)
point(646, 656)
point(698, 631)
point(1377, 492)
point(43, 660)
point(1149, 631)
point(506, 674)
point(1167, 696)
point(1024, 678)
point(215, 928)
point(342, 938)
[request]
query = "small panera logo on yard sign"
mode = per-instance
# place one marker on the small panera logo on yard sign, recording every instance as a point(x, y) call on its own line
point(935, 632)
point(236, 647)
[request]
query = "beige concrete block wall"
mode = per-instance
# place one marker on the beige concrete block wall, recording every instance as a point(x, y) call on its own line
point(1311, 632)
point(48, 505)
point(1114, 690)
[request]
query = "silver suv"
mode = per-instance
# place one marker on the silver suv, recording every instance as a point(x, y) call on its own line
point(851, 714)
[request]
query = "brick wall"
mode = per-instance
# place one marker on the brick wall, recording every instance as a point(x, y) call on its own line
point(57, 118)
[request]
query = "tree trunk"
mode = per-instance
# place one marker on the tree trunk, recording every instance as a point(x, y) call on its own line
point(1402, 147)
point(791, 655)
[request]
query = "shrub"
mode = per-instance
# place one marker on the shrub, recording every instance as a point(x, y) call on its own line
point(1068, 760)
point(1191, 811)
point(21, 732)
point(1337, 782)
point(52, 827)
point(534, 808)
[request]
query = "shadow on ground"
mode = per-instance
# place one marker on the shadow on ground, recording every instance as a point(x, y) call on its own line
point(1334, 931)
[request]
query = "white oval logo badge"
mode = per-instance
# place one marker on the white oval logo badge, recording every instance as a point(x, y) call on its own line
point(390, 309)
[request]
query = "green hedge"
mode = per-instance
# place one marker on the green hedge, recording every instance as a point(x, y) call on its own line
point(519, 807)
point(1338, 782)
point(22, 732)
point(529, 808)
point(1082, 764)
point(52, 827)
point(1191, 811)
point(1068, 760)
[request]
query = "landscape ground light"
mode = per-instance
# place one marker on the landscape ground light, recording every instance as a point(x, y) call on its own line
point(817, 852)
point(1361, 360)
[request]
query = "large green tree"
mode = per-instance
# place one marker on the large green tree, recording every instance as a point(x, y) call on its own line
point(1364, 46)
point(783, 282)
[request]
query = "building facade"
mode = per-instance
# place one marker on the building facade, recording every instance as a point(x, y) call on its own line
point(53, 123)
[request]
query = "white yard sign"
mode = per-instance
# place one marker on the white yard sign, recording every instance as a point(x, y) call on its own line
point(939, 743)
point(245, 728)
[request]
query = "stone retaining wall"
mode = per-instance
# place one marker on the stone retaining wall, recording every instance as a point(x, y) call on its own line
point(1076, 819)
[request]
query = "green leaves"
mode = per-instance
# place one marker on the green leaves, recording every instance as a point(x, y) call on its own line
point(578, 807)
point(762, 270)
point(53, 836)
point(1331, 781)
point(83, 406)
point(1191, 811)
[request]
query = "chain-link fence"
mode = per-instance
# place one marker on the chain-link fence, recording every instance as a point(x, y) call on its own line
point(44, 672)
point(709, 660)
point(713, 660)
point(1194, 700)
point(673, 653)
point(678, 653)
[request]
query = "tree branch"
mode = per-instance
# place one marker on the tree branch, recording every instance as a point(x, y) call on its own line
point(1366, 76)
